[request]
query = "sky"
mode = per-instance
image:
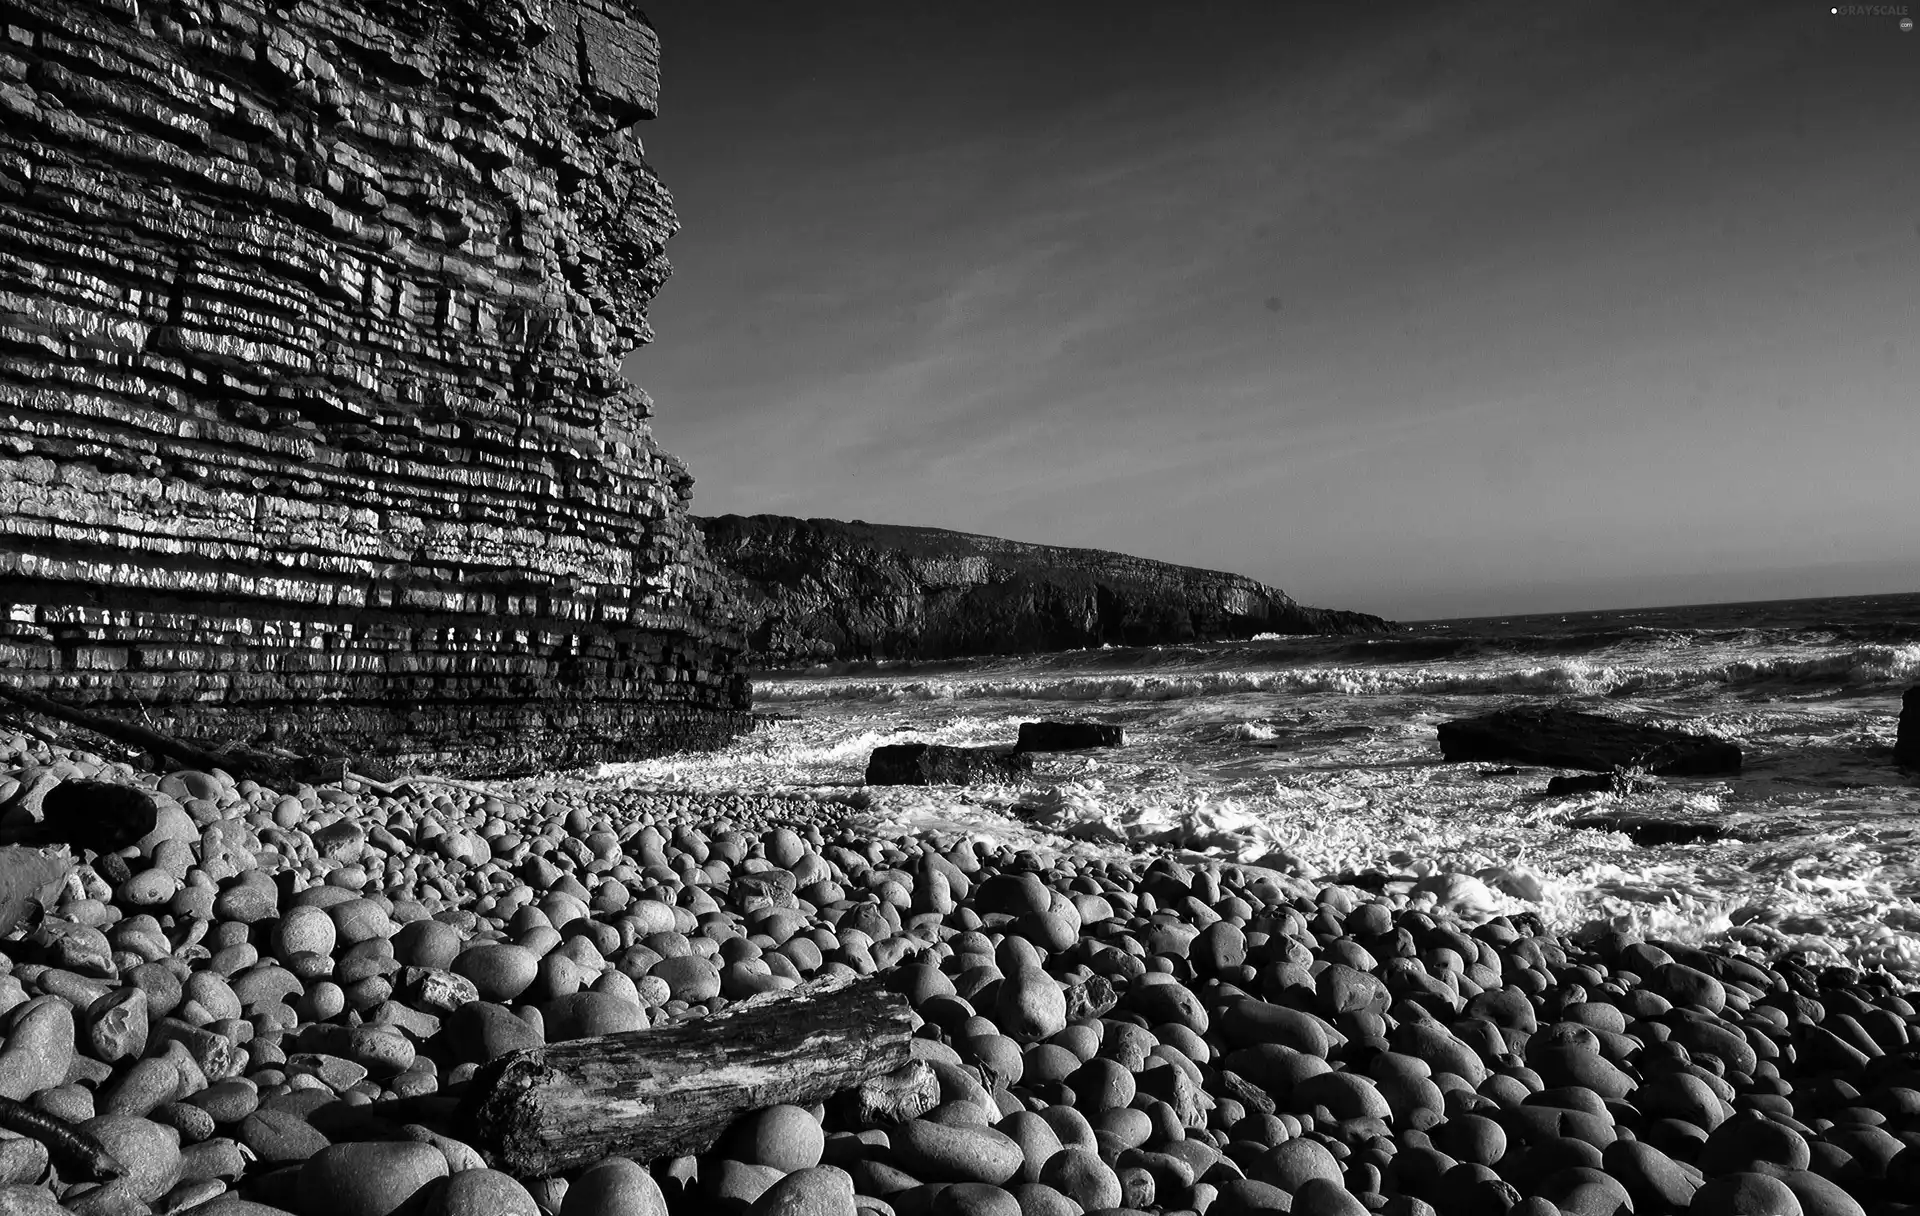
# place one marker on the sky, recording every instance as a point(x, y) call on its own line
point(1427, 310)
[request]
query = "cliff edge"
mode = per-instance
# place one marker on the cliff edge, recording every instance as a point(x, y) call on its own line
point(816, 590)
point(312, 425)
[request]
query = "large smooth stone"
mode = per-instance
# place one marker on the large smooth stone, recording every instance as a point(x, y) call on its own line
point(279, 1137)
point(937, 1152)
point(1083, 1177)
point(1348, 1095)
point(585, 1015)
point(427, 943)
point(1745, 1194)
point(1318, 1197)
point(483, 1193)
point(821, 1190)
point(304, 930)
point(1030, 1005)
point(500, 971)
point(1821, 1196)
point(614, 1187)
point(1655, 1180)
point(1293, 1162)
point(785, 1137)
point(149, 1150)
point(689, 978)
point(1582, 1191)
point(371, 1178)
point(1249, 1023)
point(227, 1205)
point(1246, 1197)
point(482, 1031)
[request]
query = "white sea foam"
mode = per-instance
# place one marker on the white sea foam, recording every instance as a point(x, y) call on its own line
point(1251, 730)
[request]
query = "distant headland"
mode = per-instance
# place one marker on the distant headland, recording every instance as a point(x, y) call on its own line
point(821, 590)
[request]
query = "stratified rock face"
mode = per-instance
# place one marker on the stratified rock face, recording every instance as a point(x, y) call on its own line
point(312, 428)
point(817, 589)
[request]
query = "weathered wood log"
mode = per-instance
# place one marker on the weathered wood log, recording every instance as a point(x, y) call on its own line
point(674, 1089)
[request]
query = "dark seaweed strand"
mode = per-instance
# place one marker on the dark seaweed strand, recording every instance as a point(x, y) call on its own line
point(69, 1147)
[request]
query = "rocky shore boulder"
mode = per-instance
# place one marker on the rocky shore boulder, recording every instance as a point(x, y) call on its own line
point(1906, 747)
point(1069, 736)
point(938, 764)
point(823, 590)
point(1558, 737)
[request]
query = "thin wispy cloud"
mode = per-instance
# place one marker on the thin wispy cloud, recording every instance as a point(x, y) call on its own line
point(1470, 290)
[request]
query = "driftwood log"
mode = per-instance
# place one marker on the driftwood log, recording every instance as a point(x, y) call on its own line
point(675, 1089)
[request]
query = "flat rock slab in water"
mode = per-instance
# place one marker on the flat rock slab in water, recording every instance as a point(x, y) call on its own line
point(1569, 738)
point(1068, 736)
point(1648, 831)
point(939, 764)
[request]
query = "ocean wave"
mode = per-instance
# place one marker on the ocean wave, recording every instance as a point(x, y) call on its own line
point(1856, 668)
point(1614, 644)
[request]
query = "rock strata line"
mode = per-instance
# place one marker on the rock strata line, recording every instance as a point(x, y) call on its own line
point(312, 426)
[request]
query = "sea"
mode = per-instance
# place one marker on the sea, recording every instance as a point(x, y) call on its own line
point(1318, 756)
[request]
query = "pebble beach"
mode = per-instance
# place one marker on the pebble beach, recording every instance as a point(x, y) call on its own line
point(222, 1009)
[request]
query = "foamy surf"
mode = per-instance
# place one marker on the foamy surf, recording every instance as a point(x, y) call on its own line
point(1850, 668)
point(1258, 753)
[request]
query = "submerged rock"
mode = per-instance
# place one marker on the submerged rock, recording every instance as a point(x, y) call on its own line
point(938, 764)
point(1068, 736)
point(1620, 781)
point(1651, 830)
point(1906, 747)
point(1558, 737)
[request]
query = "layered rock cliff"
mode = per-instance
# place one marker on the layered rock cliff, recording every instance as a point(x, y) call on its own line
point(818, 589)
point(312, 428)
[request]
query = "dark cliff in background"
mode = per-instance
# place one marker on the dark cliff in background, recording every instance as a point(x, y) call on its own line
point(312, 427)
point(815, 590)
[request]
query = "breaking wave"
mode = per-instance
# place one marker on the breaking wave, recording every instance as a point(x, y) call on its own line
point(1854, 668)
